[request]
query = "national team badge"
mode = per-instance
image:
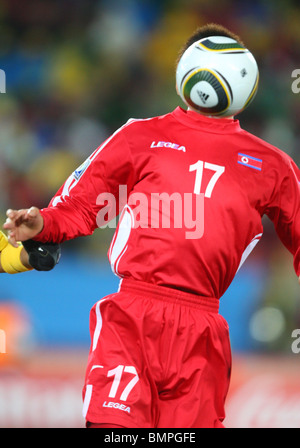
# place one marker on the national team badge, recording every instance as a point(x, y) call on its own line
point(251, 162)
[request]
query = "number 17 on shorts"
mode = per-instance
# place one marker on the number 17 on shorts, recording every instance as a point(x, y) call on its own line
point(110, 389)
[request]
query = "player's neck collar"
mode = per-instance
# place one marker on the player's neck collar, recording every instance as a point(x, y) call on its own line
point(196, 120)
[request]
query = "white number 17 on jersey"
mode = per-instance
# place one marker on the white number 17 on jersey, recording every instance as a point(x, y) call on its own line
point(199, 167)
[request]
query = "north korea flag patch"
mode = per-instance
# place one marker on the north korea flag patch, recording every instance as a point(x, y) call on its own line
point(249, 161)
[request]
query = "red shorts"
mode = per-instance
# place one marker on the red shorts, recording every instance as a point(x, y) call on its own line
point(159, 358)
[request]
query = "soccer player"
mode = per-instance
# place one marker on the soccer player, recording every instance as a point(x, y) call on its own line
point(192, 189)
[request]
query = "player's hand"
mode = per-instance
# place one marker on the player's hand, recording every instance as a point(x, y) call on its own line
point(23, 224)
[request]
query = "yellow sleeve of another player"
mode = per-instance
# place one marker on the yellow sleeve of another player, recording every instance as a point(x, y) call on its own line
point(10, 257)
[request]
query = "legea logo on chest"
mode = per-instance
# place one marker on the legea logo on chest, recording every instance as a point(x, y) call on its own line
point(168, 145)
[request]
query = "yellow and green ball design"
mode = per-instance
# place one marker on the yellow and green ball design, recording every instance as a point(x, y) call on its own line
point(217, 76)
point(216, 82)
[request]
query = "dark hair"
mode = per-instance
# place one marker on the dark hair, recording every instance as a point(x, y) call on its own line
point(211, 29)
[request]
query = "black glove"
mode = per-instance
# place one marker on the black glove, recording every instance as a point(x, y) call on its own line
point(42, 256)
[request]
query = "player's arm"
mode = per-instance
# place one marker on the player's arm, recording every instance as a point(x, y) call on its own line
point(284, 210)
point(74, 209)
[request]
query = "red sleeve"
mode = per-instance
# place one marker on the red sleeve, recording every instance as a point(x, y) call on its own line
point(284, 210)
point(73, 210)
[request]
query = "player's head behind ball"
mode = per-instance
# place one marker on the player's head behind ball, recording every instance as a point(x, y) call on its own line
point(216, 74)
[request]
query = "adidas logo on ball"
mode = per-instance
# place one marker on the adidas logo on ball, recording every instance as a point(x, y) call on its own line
point(203, 96)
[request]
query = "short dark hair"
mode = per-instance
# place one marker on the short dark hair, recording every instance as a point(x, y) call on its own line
point(211, 29)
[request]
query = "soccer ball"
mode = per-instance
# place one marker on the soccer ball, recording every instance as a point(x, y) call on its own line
point(217, 76)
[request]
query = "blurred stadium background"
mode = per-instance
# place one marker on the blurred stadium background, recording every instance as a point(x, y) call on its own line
point(75, 71)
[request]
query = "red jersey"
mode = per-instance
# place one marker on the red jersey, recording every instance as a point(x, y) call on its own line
point(195, 190)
